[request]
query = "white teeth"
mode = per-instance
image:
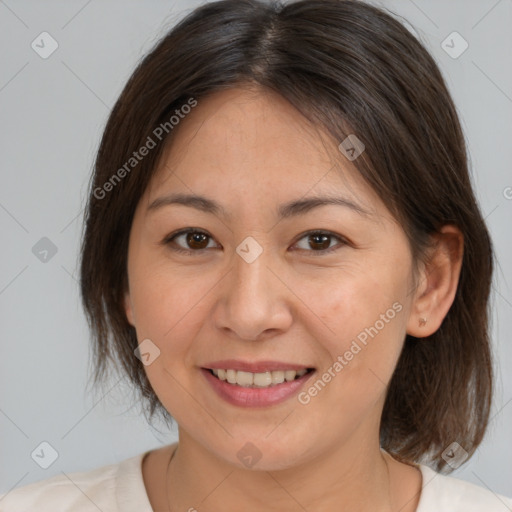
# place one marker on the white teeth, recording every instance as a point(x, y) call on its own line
point(244, 378)
point(259, 380)
point(289, 375)
point(277, 377)
point(262, 379)
point(231, 376)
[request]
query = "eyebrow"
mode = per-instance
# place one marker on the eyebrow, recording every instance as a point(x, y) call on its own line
point(286, 210)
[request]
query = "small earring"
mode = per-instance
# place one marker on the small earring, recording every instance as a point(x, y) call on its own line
point(422, 321)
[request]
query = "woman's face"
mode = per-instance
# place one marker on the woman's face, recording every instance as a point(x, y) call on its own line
point(256, 287)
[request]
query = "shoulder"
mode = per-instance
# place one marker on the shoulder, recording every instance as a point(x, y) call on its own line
point(442, 493)
point(85, 491)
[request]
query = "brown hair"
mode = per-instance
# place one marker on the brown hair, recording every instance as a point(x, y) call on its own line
point(348, 67)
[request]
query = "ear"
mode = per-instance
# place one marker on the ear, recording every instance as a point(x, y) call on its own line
point(437, 283)
point(128, 308)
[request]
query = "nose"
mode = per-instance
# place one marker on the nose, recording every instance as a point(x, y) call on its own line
point(253, 303)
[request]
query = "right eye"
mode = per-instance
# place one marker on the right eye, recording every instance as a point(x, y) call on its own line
point(193, 238)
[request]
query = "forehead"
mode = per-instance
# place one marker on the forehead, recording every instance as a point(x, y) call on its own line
point(252, 143)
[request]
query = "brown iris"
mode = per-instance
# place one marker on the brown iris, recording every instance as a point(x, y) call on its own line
point(195, 239)
point(325, 240)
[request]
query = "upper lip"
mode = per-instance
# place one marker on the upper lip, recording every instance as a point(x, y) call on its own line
point(253, 367)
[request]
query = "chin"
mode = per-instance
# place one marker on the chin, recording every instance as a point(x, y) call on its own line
point(260, 454)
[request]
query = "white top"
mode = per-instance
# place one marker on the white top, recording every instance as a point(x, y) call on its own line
point(120, 488)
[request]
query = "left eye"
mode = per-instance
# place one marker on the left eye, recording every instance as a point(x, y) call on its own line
point(197, 241)
point(322, 240)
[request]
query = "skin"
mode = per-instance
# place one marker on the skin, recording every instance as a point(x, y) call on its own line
point(251, 151)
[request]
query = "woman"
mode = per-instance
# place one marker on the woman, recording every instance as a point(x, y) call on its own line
point(284, 252)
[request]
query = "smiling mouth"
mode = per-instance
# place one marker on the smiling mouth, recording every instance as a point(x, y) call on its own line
point(258, 380)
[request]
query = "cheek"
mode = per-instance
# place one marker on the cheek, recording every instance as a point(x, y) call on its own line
point(166, 299)
point(170, 308)
point(366, 319)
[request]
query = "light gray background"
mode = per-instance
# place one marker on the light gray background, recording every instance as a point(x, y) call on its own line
point(53, 112)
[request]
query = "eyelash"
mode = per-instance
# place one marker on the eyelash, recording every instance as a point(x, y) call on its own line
point(168, 240)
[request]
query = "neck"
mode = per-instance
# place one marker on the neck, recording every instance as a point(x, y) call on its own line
point(348, 478)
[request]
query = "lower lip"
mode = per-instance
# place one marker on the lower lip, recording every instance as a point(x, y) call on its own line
point(255, 397)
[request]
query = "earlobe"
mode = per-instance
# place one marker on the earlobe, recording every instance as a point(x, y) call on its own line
point(128, 308)
point(438, 283)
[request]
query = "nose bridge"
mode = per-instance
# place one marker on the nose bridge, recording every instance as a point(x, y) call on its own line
point(251, 286)
point(252, 301)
